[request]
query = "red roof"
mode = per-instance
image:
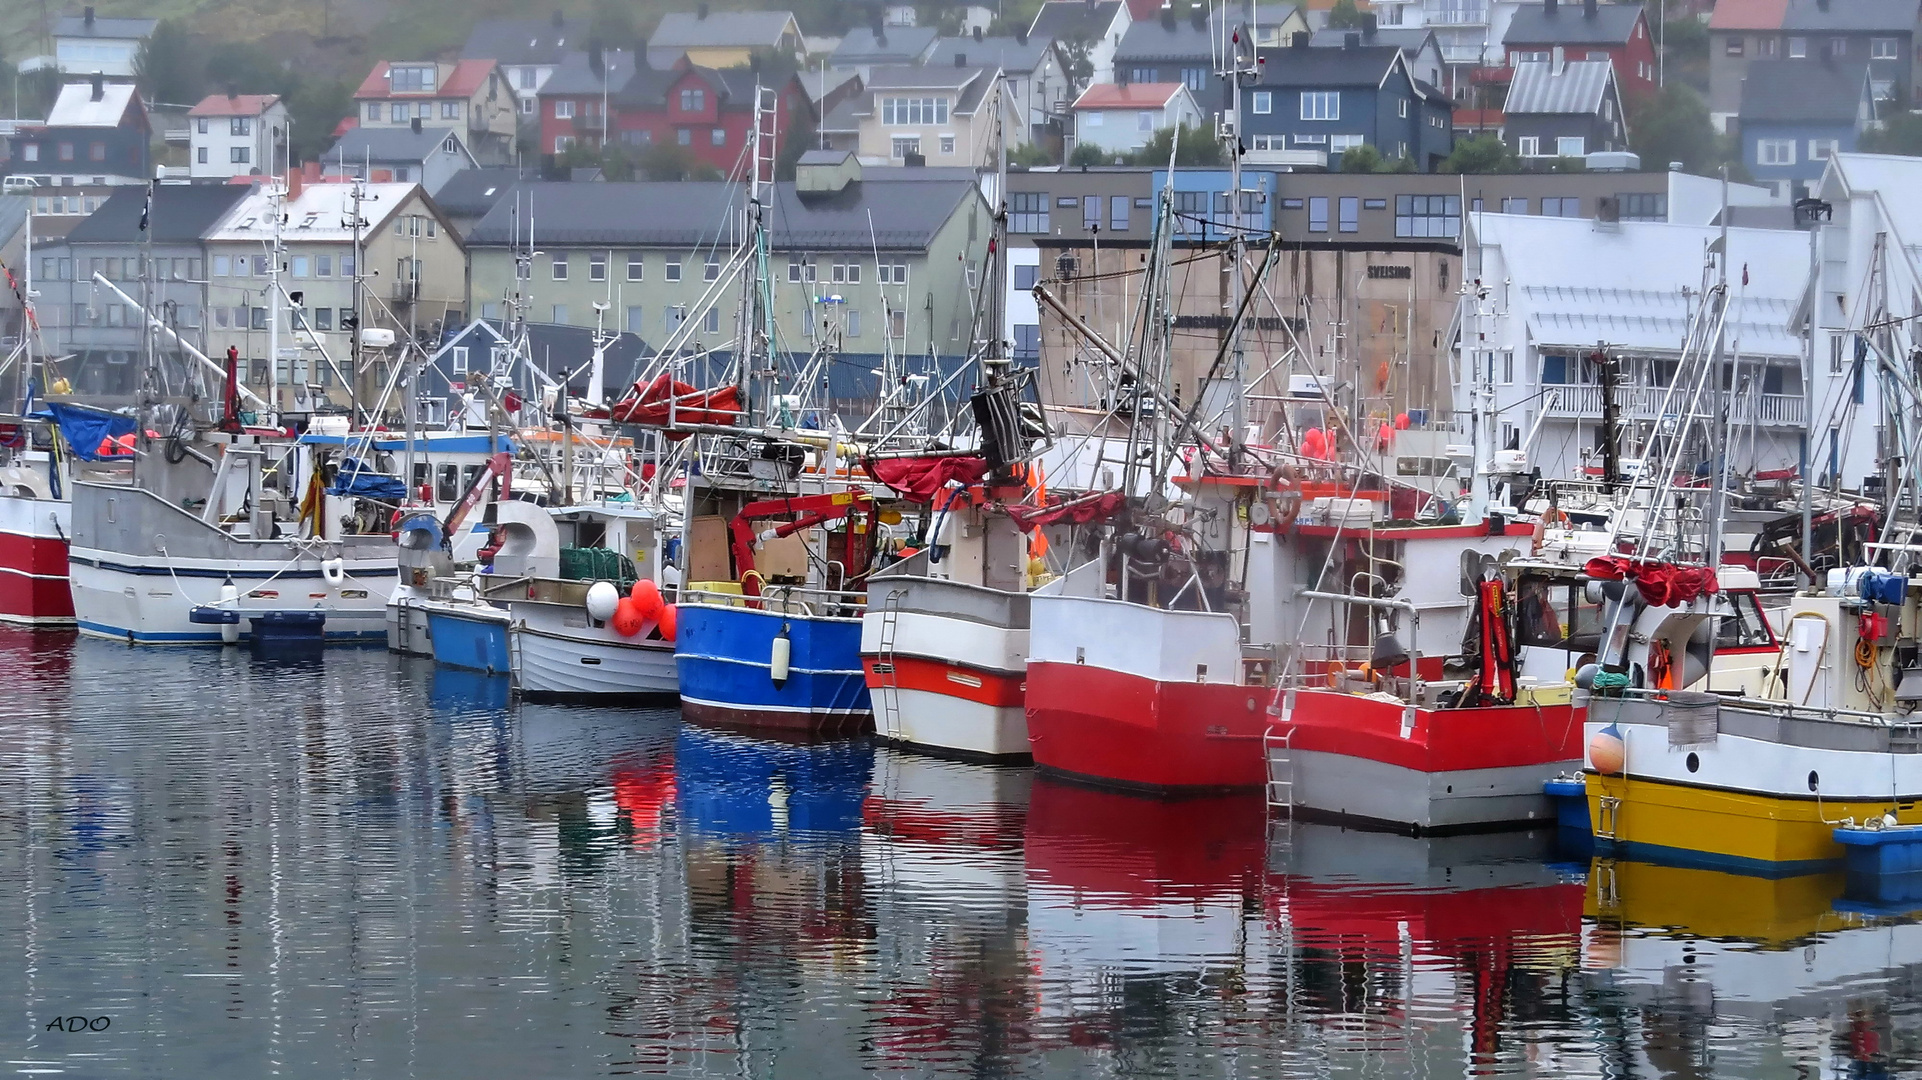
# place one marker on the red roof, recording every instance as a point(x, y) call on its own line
point(466, 78)
point(1748, 15)
point(233, 105)
point(1131, 96)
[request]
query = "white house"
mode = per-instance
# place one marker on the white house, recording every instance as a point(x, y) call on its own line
point(526, 49)
point(1090, 29)
point(84, 44)
point(1037, 85)
point(1124, 118)
point(237, 135)
point(1553, 290)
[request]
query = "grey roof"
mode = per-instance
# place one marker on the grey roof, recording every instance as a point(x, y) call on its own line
point(1009, 54)
point(920, 77)
point(1894, 16)
point(13, 213)
point(820, 83)
point(1569, 24)
point(754, 29)
point(1803, 90)
point(905, 216)
point(521, 41)
point(1579, 88)
point(182, 213)
point(1061, 20)
point(573, 74)
point(1409, 40)
point(76, 26)
point(471, 193)
point(973, 84)
point(386, 144)
point(1166, 39)
point(1364, 65)
point(891, 45)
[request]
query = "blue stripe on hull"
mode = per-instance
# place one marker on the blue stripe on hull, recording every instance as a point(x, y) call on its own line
point(723, 654)
point(472, 644)
point(202, 637)
point(1733, 864)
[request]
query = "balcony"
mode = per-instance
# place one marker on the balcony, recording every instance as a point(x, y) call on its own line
point(1575, 402)
point(405, 292)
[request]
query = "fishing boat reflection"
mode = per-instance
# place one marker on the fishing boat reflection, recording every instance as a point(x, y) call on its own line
point(459, 690)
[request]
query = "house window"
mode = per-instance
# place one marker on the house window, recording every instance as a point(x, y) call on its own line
point(1142, 75)
point(1091, 212)
point(684, 136)
point(1144, 121)
point(1402, 105)
point(1821, 149)
point(398, 112)
point(31, 152)
point(899, 275)
point(854, 324)
point(915, 111)
point(1194, 78)
point(1321, 104)
point(450, 110)
point(1798, 48)
point(711, 271)
point(1570, 146)
point(1566, 206)
point(1775, 151)
point(1768, 46)
point(1734, 46)
point(1118, 212)
point(693, 100)
point(563, 143)
point(559, 313)
point(1262, 102)
point(898, 324)
point(1529, 146)
point(1027, 341)
point(300, 265)
point(717, 136)
point(373, 112)
point(238, 154)
point(713, 321)
point(1883, 48)
point(676, 315)
point(201, 155)
point(66, 151)
point(674, 270)
point(1643, 206)
point(634, 266)
point(1318, 214)
point(597, 267)
point(1838, 47)
point(1350, 208)
point(636, 319)
point(559, 265)
point(563, 110)
point(1344, 142)
point(1025, 275)
point(240, 125)
point(1428, 216)
point(905, 146)
point(418, 79)
point(947, 144)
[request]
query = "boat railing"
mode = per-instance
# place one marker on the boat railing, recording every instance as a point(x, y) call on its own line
point(1770, 706)
point(785, 600)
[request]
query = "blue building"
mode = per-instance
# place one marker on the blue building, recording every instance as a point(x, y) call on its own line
point(1335, 99)
point(1796, 114)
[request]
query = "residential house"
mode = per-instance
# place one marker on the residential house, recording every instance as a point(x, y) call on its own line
point(84, 44)
point(470, 94)
point(1418, 45)
point(96, 133)
point(865, 48)
point(1618, 33)
point(1166, 48)
point(237, 135)
point(527, 51)
point(1089, 32)
point(1123, 118)
point(575, 99)
point(1035, 70)
point(562, 353)
point(470, 194)
point(1636, 286)
point(428, 156)
point(410, 264)
point(1468, 32)
point(1332, 100)
point(1739, 31)
point(710, 112)
point(161, 268)
point(918, 115)
point(886, 256)
point(1796, 114)
point(1567, 110)
point(1879, 33)
point(721, 39)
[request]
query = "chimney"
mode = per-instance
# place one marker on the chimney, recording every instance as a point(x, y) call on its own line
point(1560, 60)
point(1588, 8)
point(1300, 41)
point(1198, 16)
point(415, 124)
point(1549, 8)
point(88, 18)
point(701, 12)
point(294, 181)
point(1351, 40)
point(960, 59)
point(1168, 18)
point(977, 33)
point(558, 20)
point(596, 60)
point(99, 83)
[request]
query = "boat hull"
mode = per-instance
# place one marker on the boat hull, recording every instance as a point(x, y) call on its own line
point(407, 631)
point(557, 654)
point(469, 636)
point(33, 562)
point(725, 653)
point(946, 666)
point(149, 600)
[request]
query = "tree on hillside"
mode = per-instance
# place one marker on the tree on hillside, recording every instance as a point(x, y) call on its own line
point(170, 67)
point(1361, 159)
point(1345, 15)
point(613, 26)
point(669, 162)
point(315, 107)
point(246, 67)
point(1674, 126)
point(1087, 153)
point(1481, 154)
point(1195, 146)
point(1685, 52)
point(1899, 134)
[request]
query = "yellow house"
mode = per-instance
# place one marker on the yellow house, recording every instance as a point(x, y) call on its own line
point(721, 39)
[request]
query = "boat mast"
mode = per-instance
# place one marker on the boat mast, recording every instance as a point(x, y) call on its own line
point(274, 193)
point(1718, 396)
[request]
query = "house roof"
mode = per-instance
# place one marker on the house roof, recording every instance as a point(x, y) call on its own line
point(75, 107)
point(13, 214)
point(902, 215)
point(1895, 177)
point(463, 80)
point(574, 75)
point(1131, 96)
point(1748, 15)
point(319, 213)
point(1570, 24)
point(893, 44)
point(234, 105)
point(1061, 20)
point(820, 83)
point(77, 26)
point(1409, 40)
point(750, 29)
point(471, 193)
point(387, 145)
point(182, 214)
point(970, 85)
point(522, 41)
point(1628, 287)
point(1171, 38)
point(923, 77)
point(1862, 16)
point(1009, 54)
point(1579, 87)
point(1364, 65)
point(1788, 91)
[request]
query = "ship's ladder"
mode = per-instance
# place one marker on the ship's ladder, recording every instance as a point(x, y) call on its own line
point(1278, 751)
point(766, 129)
point(514, 636)
point(884, 665)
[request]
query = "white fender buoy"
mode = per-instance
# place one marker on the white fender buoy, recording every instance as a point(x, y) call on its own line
point(230, 601)
point(602, 599)
point(333, 571)
point(777, 665)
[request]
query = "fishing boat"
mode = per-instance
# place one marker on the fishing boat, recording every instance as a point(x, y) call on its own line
point(35, 523)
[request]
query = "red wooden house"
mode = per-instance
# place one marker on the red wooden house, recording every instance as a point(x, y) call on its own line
point(1554, 31)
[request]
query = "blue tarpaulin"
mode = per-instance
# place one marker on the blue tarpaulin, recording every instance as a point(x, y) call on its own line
point(355, 478)
point(85, 428)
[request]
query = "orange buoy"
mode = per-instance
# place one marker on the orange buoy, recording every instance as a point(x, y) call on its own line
point(1607, 753)
point(627, 620)
point(668, 622)
point(647, 597)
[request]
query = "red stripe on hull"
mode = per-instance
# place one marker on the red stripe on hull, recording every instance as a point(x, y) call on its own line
point(1123, 730)
point(1442, 740)
point(979, 685)
point(33, 579)
point(761, 721)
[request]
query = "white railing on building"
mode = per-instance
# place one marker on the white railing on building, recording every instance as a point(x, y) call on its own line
point(1580, 402)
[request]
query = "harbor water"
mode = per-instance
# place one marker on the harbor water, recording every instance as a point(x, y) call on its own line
point(221, 865)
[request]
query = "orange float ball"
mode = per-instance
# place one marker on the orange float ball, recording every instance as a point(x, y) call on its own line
point(1607, 753)
point(647, 595)
point(627, 620)
point(667, 622)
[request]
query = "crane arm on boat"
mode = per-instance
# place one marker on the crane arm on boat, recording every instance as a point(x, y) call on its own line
point(501, 465)
point(814, 510)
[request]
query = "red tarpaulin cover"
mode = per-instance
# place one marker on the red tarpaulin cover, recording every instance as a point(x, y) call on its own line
point(1661, 584)
point(1079, 512)
point(649, 404)
point(920, 477)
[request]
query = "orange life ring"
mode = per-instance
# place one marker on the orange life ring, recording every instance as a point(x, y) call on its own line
point(1284, 501)
point(1661, 669)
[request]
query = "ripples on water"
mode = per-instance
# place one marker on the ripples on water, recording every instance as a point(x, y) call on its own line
point(363, 866)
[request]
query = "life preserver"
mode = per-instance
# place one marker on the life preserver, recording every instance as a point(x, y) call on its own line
point(1661, 672)
point(1284, 500)
point(333, 571)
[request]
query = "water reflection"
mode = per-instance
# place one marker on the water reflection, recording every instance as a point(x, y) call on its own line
point(366, 866)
